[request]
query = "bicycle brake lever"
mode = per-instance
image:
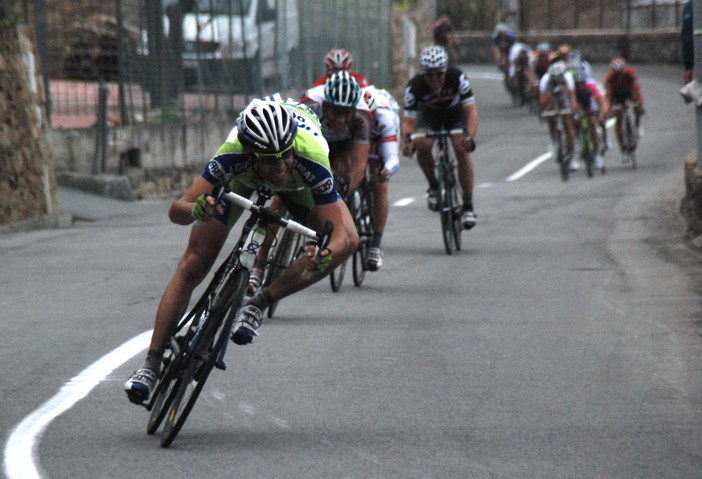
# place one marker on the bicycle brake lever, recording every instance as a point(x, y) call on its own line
point(326, 235)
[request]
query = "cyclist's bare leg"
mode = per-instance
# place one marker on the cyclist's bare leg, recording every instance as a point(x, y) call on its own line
point(425, 160)
point(380, 204)
point(466, 173)
point(206, 241)
point(547, 104)
point(595, 135)
point(618, 130)
point(603, 129)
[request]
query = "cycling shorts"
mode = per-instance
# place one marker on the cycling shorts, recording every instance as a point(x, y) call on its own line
point(619, 97)
point(435, 119)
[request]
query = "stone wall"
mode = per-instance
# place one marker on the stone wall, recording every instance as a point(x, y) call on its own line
point(27, 179)
point(691, 203)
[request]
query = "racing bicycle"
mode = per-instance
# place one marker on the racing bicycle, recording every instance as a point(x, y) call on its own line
point(559, 142)
point(450, 198)
point(201, 337)
point(630, 131)
point(587, 144)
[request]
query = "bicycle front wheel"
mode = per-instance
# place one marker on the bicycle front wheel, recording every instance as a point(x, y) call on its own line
point(165, 391)
point(629, 132)
point(204, 355)
point(336, 277)
point(446, 211)
point(364, 227)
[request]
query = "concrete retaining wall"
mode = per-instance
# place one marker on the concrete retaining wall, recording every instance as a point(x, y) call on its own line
point(663, 46)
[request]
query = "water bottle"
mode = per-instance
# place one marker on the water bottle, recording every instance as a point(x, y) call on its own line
point(253, 244)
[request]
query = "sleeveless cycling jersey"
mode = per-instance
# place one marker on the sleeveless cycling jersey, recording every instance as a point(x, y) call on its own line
point(456, 92)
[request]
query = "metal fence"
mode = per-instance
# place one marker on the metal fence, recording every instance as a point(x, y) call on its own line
point(639, 15)
point(225, 52)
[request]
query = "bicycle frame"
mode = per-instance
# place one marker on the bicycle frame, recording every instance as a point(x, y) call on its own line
point(587, 143)
point(630, 135)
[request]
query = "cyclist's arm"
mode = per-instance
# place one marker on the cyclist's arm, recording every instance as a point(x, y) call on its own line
point(180, 211)
point(334, 212)
point(472, 119)
point(574, 103)
point(388, 147)
point(408, 125)
point(359, 153)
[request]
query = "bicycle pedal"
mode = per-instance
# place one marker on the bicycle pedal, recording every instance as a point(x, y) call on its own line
point(221, 365)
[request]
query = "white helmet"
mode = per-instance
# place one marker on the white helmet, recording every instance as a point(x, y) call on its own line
point(266, 127)
point(341, 89)
point(434, 57)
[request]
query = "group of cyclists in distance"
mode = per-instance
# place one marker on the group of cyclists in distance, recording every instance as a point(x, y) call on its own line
point(314, 152)
point(559, 79)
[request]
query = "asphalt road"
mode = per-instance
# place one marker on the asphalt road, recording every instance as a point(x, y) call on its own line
point(562, 341)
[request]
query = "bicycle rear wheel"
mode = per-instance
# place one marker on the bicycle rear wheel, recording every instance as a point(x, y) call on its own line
point(204, 356)
point(283, 256)
point(364, 227)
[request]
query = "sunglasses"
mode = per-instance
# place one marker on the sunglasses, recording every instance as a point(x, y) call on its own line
point(434, 74)
point(273, 157)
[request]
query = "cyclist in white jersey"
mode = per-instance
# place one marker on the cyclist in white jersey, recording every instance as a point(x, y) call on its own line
point(557, 92)
point(384, 142)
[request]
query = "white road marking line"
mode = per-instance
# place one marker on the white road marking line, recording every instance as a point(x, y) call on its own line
point(404, 202)
point(20, 449)
point(529, 166)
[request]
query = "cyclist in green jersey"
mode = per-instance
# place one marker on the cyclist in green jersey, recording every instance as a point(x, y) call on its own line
point(275, 145)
